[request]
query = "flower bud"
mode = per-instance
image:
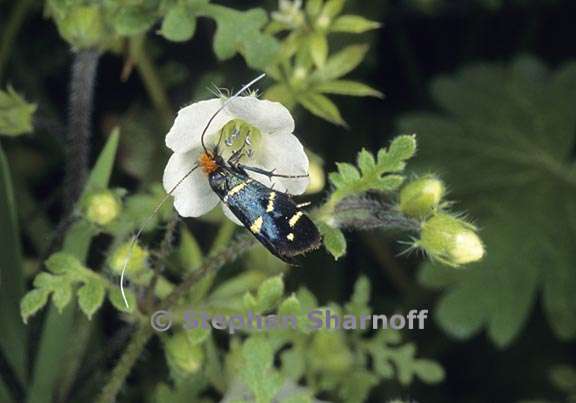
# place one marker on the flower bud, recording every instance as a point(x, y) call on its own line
point(421, 197)
point(450, 240)
point(103, 207)
point(83, 26)
point(136, 262)
point(183, 357)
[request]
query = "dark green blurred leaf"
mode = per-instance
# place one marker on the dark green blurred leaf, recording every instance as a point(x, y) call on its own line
point(505, 144)
point(354, 24)
point(179, 24)
point(346, 87)
point(12, 340)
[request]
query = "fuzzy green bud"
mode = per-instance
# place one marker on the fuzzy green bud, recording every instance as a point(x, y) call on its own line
point(103, 207)
point(137, 259)
point(421, 197)
point(316, 175)
point(450, 240)
point(183, 356)
point(83, 26)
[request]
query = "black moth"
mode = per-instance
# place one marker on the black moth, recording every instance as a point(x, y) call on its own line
point(271, 216)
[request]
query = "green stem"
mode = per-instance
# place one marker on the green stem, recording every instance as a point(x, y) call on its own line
point(8, 36)
point(127, 361)
point(152, 81)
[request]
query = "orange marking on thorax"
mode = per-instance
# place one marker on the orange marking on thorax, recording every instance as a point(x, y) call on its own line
point(207, 163)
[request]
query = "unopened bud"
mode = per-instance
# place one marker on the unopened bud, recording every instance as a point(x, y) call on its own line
point(102, 208)
point(135, 259)
point(450, 240)
point(421, 197)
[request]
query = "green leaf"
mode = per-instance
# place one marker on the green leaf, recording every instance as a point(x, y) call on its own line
point(357, 386)
point(270, 292)
point(347, 87)
point(321, 106)
point(341, 63)
point(133, 20)
point(189, 251)
point(15, 113)
point(354, 24)
point(505, 141)
point(115, 298)
point(64, 263)
point(241, 32)
point(358, 304)
point(13, 340)
point(61, 296)
point(257, 372)
point(429, 371)
point(332, 8)
point(333, 239)
point(318, 48)
point(91, 296)
point(348, 180)
point(100, 174)
point(178, 24)
point(313, 7)
point(32, 302)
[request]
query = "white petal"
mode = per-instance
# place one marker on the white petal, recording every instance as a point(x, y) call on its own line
point(270, 117)
point(284, 154)
point(193, 197)
point(185, 133)
point(228, 213)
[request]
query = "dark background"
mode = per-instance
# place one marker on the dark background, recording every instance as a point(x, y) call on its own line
point(413, 46)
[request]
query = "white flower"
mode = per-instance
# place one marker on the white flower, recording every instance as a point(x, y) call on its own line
point(264, 130)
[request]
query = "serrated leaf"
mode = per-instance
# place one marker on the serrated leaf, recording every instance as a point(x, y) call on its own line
point(348, 171)
point(366, 161)
point(91, 296)
point(321, 106)
point(498, 126)
point(15, 113)
point(62, 296)
point(242, 32)
point(347, 87)
point(179, 24)
point(333, 240)
point(63, 263)
point(32, 302)
point(257, 372)
point(354, 24)
point(341, 63)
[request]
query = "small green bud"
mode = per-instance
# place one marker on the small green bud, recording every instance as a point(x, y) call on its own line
point(83, 26)
point(102, 208)
point(270, 292)
point(136, 263)
point(290, 306)
point(450, 240)
point(183, 356)
point(249, 302)
point(421, 197)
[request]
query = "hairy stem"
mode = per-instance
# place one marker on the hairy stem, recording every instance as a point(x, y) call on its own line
point(145, 331)
point(127, 361)
point(80, 123)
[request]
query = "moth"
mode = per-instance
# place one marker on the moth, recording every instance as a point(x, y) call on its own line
point(270, 215)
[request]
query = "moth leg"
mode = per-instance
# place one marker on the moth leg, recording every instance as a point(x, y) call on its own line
point(270, 174)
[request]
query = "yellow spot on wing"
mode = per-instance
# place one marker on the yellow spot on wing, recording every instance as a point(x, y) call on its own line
point(271, 198)
point(294, 219)
point(290, 236)
point(236, 189)
point(256, 225)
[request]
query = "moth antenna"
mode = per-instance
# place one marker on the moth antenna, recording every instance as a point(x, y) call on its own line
point(141, 229)
point(238, 93)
